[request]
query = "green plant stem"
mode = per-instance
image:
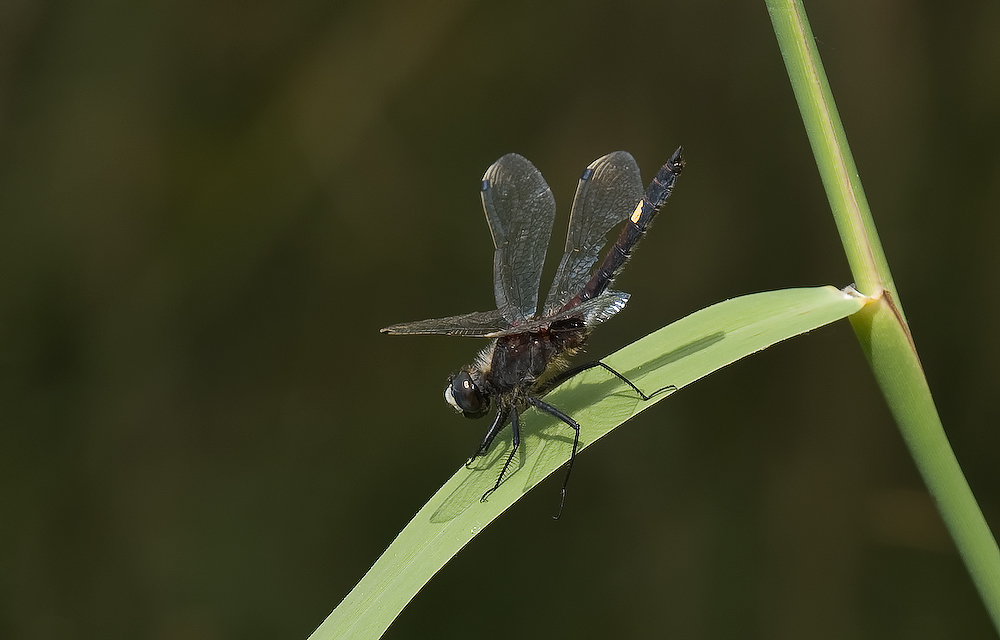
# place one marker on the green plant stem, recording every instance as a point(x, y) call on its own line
point(881, 327)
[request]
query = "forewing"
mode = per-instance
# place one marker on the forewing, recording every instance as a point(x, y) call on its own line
point(477, 324)
point(607, 193)
point(519, 209)
point(592, 312)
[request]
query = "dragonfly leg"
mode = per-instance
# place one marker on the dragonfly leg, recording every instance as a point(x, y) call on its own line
point(557, 380)
point(499, 422)
point(549, 409)
point(515, 443)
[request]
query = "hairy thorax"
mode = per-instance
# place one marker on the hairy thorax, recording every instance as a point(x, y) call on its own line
point(526, 360)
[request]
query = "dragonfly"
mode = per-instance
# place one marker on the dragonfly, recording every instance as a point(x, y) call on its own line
point(530, 348)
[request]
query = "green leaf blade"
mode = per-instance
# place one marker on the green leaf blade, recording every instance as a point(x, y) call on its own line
point(677, 355)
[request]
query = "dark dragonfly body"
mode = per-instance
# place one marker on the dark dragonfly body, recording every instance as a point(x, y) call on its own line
point(529, 352)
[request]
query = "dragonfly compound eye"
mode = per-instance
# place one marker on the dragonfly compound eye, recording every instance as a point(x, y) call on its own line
point(463, 394)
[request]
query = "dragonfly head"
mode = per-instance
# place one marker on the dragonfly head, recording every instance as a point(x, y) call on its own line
point(466, 396)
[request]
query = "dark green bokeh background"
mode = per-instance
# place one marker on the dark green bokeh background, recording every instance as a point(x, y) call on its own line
point(208, 209)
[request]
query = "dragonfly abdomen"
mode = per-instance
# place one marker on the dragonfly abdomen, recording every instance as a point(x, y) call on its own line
point(635, 227)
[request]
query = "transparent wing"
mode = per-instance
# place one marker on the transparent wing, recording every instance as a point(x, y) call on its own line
point(608, 191)
point(477, 324)
point(519, 209)
point(591, 312)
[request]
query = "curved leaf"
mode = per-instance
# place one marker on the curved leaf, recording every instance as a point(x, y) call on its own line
point(677, 355)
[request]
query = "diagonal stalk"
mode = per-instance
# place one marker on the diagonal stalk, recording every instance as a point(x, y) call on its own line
point(881, 328)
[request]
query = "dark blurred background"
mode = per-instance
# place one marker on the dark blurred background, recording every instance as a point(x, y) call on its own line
point(208, 210)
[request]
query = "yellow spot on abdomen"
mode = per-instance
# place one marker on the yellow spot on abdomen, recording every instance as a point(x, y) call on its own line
point(637, 213)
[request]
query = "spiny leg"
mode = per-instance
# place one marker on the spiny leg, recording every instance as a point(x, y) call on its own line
point(516, 441)
point(557, 380)
point(549, 409)
point(498, 424)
